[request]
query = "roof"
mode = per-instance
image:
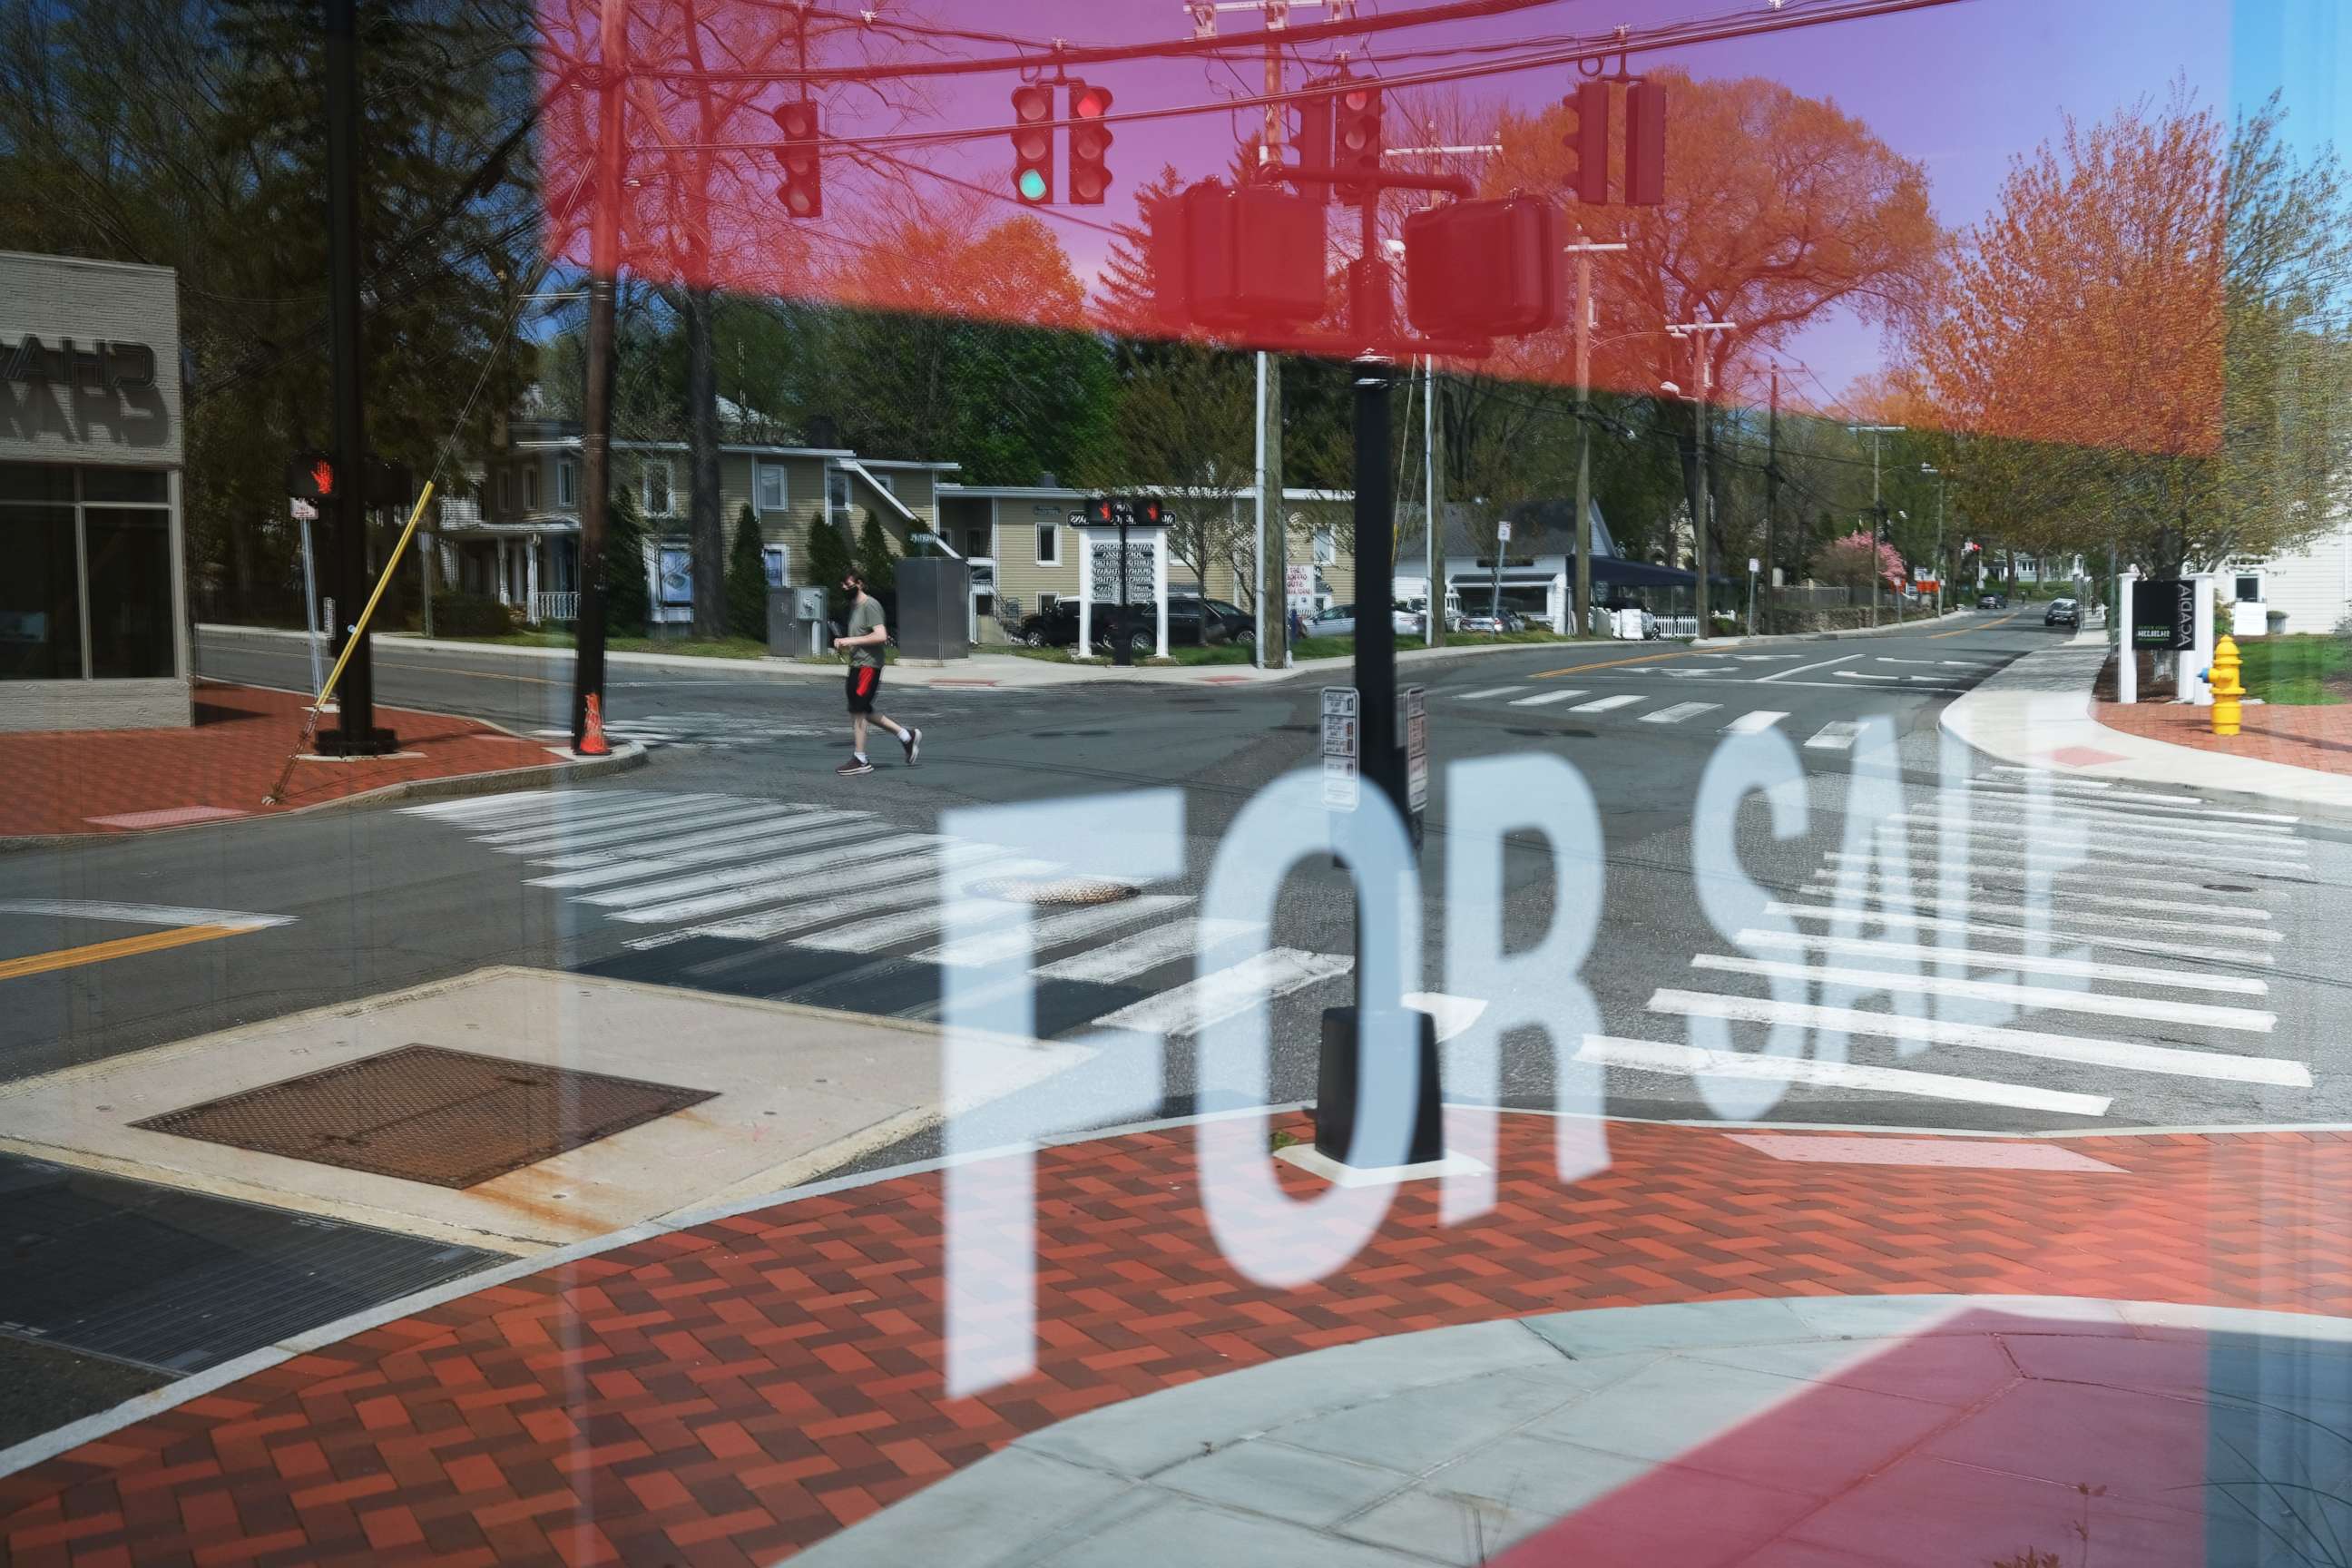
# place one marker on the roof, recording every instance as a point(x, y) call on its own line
point(1537, 527)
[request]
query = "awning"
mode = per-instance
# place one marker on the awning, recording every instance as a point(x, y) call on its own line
point(1642, 574)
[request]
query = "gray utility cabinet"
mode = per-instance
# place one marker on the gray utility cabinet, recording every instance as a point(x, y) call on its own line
point(934, 613)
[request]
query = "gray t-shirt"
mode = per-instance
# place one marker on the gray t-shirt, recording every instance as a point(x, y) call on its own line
point(865, 615)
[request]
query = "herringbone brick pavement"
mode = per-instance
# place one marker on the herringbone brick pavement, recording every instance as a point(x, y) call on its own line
point(731, 1393)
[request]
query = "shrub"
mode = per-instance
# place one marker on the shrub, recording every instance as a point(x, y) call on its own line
point(472, 616)
point(747, 581)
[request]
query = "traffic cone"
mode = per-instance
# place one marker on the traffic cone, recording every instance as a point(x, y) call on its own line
point(591, 733)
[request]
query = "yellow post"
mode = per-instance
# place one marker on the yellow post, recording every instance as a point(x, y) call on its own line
point(2226, 690)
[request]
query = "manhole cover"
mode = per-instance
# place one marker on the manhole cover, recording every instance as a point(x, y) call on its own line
point(1054, 890)
point(450, 1119)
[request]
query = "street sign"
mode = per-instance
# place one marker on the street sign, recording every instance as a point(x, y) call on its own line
point(1343, 748)
point(2164, 614)
point(922, 537)
point(1416, 750)
point(301, 510)
point(1298, 581)
point(1503, 532)
point(1754, 566)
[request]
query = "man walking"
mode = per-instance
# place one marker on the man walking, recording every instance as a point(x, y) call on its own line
point(863, 641)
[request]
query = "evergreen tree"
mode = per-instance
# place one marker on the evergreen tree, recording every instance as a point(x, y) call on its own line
point(829, 561)
point(747, 580)
point(627, 604)
point(876, 561)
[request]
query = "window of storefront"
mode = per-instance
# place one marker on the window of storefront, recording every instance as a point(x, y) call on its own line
point(88, 589)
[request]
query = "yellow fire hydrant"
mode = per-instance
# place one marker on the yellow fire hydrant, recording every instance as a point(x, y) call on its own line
point(2226, 690)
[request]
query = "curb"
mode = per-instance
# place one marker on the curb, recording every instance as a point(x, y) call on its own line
point(624, 756)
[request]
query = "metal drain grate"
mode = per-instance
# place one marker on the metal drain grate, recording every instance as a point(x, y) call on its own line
point(424, 1113)
point(1054, 890)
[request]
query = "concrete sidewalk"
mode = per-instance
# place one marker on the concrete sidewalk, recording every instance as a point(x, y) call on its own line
point(2038, 713)
point(1837, 1431)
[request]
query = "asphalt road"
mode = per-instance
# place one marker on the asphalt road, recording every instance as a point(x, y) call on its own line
point(737, 862)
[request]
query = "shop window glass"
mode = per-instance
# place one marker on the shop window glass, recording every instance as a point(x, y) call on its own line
point(131, 621)
point(35, 481)
point(40, 611)
point(143, 485)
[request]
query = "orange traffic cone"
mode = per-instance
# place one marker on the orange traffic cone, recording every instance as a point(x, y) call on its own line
point(591, 733)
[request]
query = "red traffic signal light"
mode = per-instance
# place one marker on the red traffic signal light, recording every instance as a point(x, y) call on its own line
point(1356, 137)
point(1032, 143)
point(311, 475)
point(1313, 138)
point(1485, 269)
point(803, 192)
point(1588, 142)
point(1089, 143)
point(1646, 144)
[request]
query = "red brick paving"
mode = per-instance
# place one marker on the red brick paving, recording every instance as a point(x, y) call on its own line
point(2302, 737)
point(59, 779)
point(732, 1394)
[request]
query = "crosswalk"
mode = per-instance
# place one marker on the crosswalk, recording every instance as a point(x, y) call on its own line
point(714, 730)
point(1836, 736)
point(2022, 941)
point(823, 891)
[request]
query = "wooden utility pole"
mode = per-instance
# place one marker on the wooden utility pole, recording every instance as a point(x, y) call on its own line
point(596, 437)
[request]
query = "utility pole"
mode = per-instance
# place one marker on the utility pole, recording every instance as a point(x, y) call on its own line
point(596, 437)
point(356, 735)
point(1940, 485)
point(1584, 250)
point(1433, 619)
point(1700, 501)
point(1878, 433)
point(1771, 476)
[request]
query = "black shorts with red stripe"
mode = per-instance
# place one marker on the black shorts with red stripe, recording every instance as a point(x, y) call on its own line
point(864, 681)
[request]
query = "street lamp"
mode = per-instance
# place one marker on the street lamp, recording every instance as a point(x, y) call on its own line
point(1878, 510)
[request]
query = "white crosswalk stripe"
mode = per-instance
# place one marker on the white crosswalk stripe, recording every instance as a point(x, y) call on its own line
point(2024, 963)
point(1678, 712)
point(1147, 949)
point(1762, 719)
point(1216, 997)
point(1482, 695)
point(1664, 1057)
point(1054, 929)
point(2058, 896)
point(662, 856)
point(1872, 919)
point(2038, 998)
point(1543, 699)
point(1608, 704)
point(1837, 735)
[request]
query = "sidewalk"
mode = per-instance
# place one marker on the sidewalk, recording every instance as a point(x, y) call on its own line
point(752, 1381)
point(2039, 713)
point(90, 781)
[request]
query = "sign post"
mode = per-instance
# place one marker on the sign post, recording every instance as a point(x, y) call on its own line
point(1495, 597)
point(305, 514)
point(1416, 757)
point(1343, 743)
point(1754, 566)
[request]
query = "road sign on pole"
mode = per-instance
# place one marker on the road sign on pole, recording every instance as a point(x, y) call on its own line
point(1416, 752)
point(1343, 743)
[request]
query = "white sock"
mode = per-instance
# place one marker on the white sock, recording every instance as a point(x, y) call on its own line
point(904, 735)
point(859, 755)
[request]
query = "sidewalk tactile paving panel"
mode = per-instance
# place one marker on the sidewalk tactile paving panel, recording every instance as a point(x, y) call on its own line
point(427, 1113)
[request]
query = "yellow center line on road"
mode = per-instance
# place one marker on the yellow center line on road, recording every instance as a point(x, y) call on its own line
point(1613, 663)
point(122, 947)
point(1986, 628)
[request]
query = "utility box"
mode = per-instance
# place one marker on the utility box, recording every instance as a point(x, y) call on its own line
point(934, 611)
point(796, 624)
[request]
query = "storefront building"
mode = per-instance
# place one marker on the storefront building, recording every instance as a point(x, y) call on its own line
point(93, 592)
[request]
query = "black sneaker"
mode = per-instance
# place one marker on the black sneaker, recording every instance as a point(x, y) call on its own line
point(914, 744)
point(854, 766)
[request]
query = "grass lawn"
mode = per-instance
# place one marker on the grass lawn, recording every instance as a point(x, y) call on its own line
point(2298, 671)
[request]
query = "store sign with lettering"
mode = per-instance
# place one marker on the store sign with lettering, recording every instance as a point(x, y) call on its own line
point(98, 365)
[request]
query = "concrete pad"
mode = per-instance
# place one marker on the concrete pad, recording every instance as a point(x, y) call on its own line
point(799, 1091)
point(1189, 1534)
point(1877, 1316)
point(2136, 1443)
point(1269, 1477)
point(1424, 1427)
point(1534, 1476)
point(1010, 1508)
point(1611, 1331)
point(1978, 1516)
point(1467, 1532)
point(1952, 1370)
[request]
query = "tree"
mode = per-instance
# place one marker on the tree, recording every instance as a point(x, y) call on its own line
point(747, 580)
point(2142, 346)
point(878, 563)
point(1845, 562)
point(1185, 429)
point(1127, 302)
point(627, 603)
point(829, 560)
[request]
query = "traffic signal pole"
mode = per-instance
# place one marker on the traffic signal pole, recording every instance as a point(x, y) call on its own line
point(596, 436)
point(356, 735)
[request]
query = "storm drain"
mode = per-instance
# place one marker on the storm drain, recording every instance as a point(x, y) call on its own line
point(424, 1113)
point(1054, 890)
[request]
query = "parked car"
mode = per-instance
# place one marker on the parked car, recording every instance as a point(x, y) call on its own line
point(1493, 623)
point(1190, 624)
point(1056, 628)
point(1993, 601)
point(1332, 621)
point(2062, 613)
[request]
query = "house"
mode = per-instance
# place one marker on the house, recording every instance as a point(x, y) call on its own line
point(1537, 575)
point(2312, 583)
point(517, 538)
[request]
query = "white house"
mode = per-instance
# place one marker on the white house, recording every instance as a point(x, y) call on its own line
point(2313, 585)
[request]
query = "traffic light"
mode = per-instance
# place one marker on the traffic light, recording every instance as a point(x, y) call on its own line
point(1588, 142)
point(311, 475)
point(1250, 258)
point(1356, 135)
point(803, 192)
point(1032, 143)
point(1313, 138)
point(1089, 143)
point(1485, 268)
point(1646, 144)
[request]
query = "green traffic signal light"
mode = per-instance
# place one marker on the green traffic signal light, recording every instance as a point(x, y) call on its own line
point(1031, 184)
